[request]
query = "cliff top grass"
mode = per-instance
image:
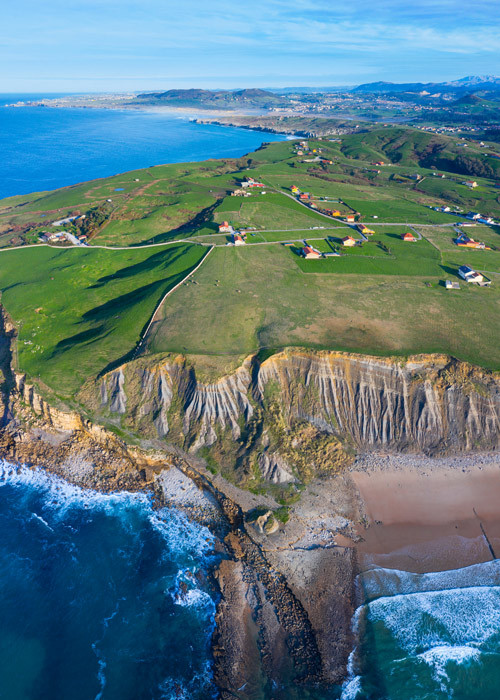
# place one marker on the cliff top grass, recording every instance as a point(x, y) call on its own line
point(79, 311)
point(262, 298)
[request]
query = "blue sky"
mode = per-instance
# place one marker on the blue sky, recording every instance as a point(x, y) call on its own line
point(90, 45)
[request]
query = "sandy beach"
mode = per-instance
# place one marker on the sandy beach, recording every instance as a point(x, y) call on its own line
point(427, 514)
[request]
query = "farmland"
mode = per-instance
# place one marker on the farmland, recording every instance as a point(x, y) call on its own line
point(82, 310)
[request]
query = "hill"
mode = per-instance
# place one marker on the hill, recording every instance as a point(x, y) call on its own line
point(173, 213)
point(220, 99)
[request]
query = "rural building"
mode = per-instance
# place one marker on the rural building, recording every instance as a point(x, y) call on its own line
point(310, 253)
point(238, 239)
point(474, 215)
point(225, 227)
point(464, 241)
point(408, 237)
point(364, 229)
point(304, 196)
point(250, 182)
point(451, 285)
point(295, 189)
point(470, 183)
point(470, 275)
point(350, 218)
point(348, 241)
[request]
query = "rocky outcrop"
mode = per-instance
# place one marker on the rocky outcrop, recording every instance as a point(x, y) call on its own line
point(275, 469)
point(425, 403)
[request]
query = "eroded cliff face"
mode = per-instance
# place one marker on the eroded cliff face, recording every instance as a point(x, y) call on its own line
point(426, 403)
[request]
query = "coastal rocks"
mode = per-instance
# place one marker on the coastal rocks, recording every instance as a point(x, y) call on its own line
point(275, 469)
point(266, 523)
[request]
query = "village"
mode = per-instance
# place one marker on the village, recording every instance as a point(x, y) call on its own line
point(361, 234)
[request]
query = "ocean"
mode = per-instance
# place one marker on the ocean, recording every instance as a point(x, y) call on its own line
point(44, 148)
point(431, 636)
point(102, 597)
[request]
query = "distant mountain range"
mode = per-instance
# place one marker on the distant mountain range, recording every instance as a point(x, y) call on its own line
point(469, 92)
point(469, 84)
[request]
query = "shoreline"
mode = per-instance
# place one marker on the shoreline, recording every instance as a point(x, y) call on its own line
point(293, 582)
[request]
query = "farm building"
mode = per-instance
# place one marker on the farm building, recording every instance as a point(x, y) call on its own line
point(451, 285)
point(408, 237)
point(364, 229)
point(238, 239)
point(350, 218)
point(464, 241)
point(310, 253)
point(224, 227)
point(470, 275)
point(348, 241)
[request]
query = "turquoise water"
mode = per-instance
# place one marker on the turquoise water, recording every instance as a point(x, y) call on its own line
point(101, 596)
point(44, 148)
point(428, 636)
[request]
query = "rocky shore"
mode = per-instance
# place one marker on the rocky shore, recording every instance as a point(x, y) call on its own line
point(287, 587)
point(284, 610)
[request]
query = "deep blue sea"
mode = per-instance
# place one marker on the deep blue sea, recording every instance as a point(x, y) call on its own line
point(100, 595)
point(43, 148)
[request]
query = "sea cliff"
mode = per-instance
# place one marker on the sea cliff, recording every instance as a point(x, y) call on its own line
point(271, 445)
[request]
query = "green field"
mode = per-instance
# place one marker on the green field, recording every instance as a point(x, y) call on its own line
point(81, 310)
point(263, 299)
point(419, 259)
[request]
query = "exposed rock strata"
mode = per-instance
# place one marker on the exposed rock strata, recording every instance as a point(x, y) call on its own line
point(427, 403)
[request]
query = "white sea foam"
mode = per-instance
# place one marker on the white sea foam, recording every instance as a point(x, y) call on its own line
point(381, 582)
point(441, 619)
point(351, 689)
point(439, 658)
point(199, 686)
point(181, 535)
point(457, 617)
point(62, 495)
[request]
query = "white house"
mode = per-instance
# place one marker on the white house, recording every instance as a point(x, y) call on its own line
point(470, 275)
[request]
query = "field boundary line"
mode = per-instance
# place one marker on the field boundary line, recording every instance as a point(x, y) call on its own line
point(160, 303)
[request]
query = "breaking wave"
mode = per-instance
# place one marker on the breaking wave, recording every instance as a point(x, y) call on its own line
point(421, 636)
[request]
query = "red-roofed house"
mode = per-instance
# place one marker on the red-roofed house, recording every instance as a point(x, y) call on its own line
point(310, 253)
point(348, 241)
point(408, 237)
point(224, 227)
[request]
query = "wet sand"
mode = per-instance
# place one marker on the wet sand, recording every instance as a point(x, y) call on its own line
point(424, 514)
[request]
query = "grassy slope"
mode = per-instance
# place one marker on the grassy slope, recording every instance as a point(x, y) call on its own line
point(81, 309)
